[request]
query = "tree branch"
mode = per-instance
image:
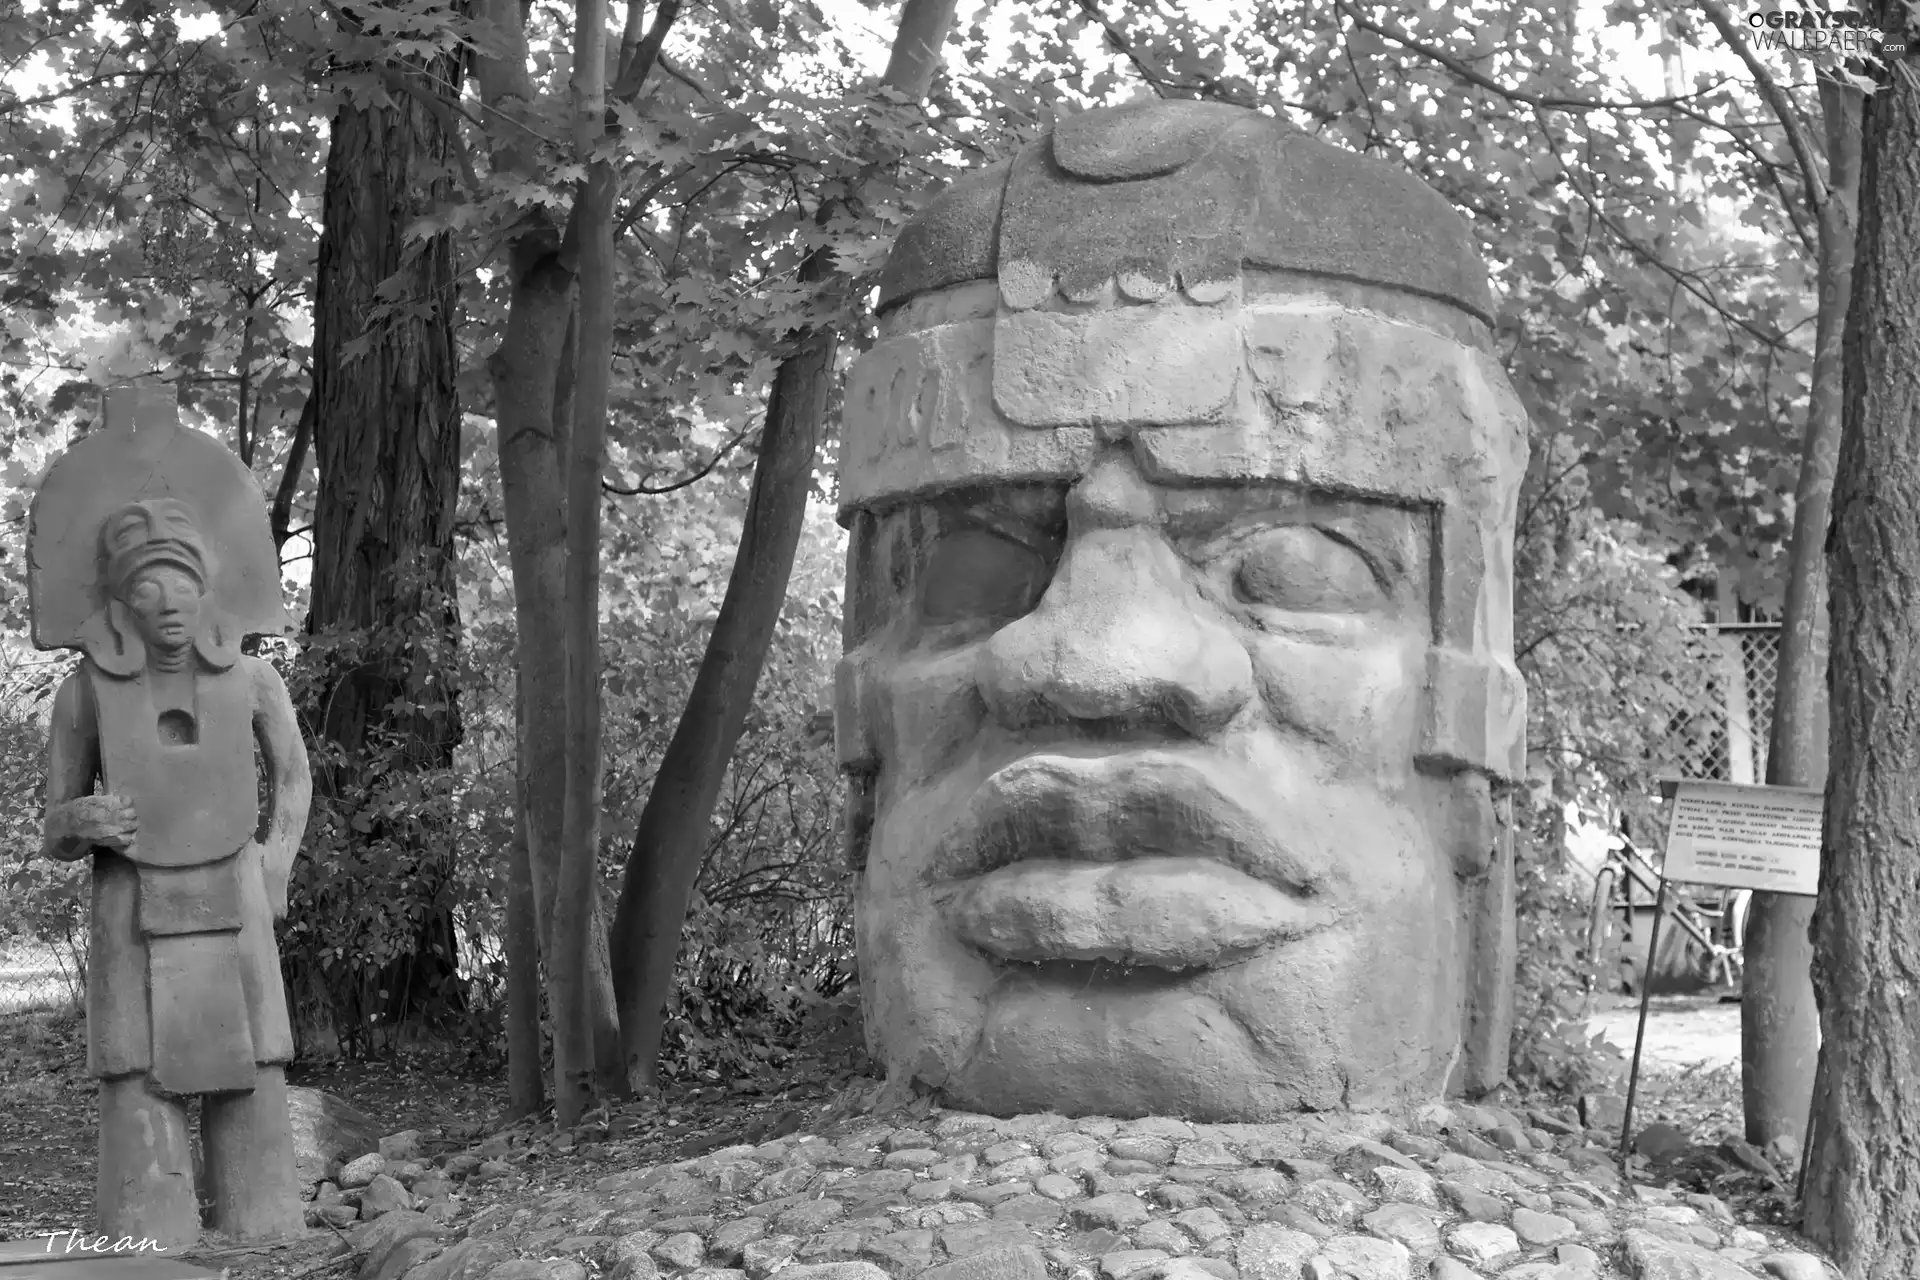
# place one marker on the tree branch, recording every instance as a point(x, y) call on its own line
point(1156, 79)
point(701, 474)
point(1475, 78)
point(1784, 107)
point(1685, 279)
point(638, 53)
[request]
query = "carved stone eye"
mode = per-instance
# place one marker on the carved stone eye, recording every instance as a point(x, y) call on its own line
point(973, 574)
point(1301, 569)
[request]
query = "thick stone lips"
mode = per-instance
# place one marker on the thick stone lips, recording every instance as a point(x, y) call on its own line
point(1178, 914)
point(1143, 858)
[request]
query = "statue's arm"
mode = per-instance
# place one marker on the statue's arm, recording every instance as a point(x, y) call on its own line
point(73, 763)
point(291, 786)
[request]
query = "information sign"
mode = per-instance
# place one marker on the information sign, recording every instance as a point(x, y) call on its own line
point(1742, 837)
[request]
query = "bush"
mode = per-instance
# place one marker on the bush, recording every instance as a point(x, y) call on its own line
point(1600, 627)
point(43, 913)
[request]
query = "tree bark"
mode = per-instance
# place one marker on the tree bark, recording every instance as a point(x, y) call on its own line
point(670, 842)
point(567, 981)
point(280, 511)
point(1779, 1023)
point(532, 376)
point(1863, 1180)
point(386, 441)
point(915, 57)
point(526, 1089)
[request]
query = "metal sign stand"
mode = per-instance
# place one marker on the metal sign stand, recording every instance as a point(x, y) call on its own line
point(1646, 995)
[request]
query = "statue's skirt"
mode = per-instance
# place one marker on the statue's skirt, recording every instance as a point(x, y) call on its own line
point(183, 978)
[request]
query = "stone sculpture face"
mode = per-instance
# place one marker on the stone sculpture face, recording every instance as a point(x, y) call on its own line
point(165, 603)
point(1179, 655)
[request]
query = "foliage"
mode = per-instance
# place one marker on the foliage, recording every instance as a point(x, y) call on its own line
point(370, 875)
point(1552, 1047)
point(1601, 630)
point(45, 901)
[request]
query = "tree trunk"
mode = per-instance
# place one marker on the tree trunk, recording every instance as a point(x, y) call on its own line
point(1863, 1181)
point(526, 1090)
point(592, 227)
point(280, 510)
point(671, 840)
point(386, 440)
point(670, 843)
point(532, 376)
point(1779, 1023)
point(915, 57)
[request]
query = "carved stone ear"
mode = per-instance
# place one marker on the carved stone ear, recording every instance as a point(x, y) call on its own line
point(1491, 944)
point(1471, 828)
point(219, 640)
point(112, 642)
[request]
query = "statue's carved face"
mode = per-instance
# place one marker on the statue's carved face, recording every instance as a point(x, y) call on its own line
point(1147, 830)
point(165, 603)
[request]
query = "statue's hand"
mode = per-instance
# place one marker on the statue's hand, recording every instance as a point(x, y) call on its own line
point(108, 821)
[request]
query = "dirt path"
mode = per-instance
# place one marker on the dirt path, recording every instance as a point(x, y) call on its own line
point(1682, 1031)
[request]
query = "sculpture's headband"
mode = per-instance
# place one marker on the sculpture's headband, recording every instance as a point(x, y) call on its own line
point(143, 534)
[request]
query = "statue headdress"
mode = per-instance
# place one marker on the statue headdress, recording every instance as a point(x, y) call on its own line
point(139, 492)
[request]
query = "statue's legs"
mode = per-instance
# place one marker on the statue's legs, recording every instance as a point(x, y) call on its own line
point(145, 1188)
point(249, 1155)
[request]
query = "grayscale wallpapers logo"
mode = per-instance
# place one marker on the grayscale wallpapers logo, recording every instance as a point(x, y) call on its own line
point(1843, 31)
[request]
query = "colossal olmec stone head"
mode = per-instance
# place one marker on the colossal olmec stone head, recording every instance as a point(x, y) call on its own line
point(1179, 681)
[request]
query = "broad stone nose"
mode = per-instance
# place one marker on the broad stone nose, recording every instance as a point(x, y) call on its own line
point(1121, 638)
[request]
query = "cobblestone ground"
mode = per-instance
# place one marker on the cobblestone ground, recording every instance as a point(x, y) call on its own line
point(1449, 1193)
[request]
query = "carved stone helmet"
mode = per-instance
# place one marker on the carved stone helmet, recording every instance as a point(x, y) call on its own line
point(1143, 270)
point(1157, 194)
point(143, 534)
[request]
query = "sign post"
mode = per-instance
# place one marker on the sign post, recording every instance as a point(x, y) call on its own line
point(1731, 836)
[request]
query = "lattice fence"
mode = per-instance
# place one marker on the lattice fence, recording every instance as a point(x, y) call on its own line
point(1722, 705)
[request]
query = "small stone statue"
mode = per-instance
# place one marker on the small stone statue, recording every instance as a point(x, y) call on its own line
point(1179, 700)
point(149, 551)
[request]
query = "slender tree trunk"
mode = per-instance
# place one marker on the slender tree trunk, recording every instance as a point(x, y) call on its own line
point(915, 56)
point(573, 913)
point(1779, 1023)
point(672, 836)
point(386, 441)
point(280, 511)
point(532, 376)
point(1863, 1180)
point(526, 1089)
point(670, 843)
